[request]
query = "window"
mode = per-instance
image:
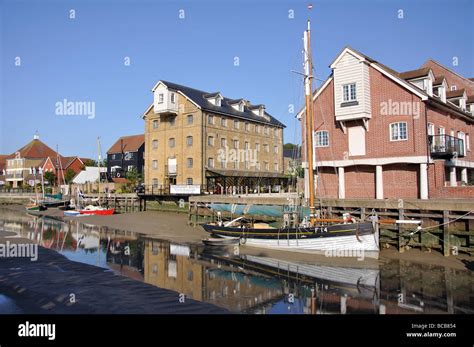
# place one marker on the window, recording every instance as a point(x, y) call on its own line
point(235, 144)
point(257, 165)
point(453, 87)
point(189, 141)
point(267, 166)
point(431, 129)
point(236, 164)
point(173, 98)
point(210, 141)
point(155, 124)
point(236, 124)
point(267, 131)
point(171, 142)
point(224, 122)
point(246, 145)
point(223, 142)
point(172, 121)
point(189, 163)
point(257, 129)
point(462, 136)
point(155, 144)
point(322, 138)
point(246, 165)
point(266, 148)
point(468, 146)
point(161, 98)
point(223, 164)
point(155, 164)
point(247, 126)
point(275, 167)
point(241, 107)
point(190, 119)
point(257, 147)
point(189, 181)
point(398, 131)
point(349, 92)
point(155, 183)
point(275, 149)
point(218, 101)
point(210, 162)
point(210, 119)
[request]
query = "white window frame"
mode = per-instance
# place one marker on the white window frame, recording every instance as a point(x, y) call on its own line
point(173, 98)
point(398, 138)
point(155, 165)
point(210, 141)
point(187, 141)
point(352, 87)
point(319, 138)
point(453, 87)
point(161, 98)
point(210, 162)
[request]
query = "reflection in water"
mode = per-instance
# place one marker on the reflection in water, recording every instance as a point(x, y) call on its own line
point(250, 284)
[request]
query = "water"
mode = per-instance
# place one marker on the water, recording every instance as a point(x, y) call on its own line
point(244, 283)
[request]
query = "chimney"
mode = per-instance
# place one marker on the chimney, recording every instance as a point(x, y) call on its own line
point(36, 136)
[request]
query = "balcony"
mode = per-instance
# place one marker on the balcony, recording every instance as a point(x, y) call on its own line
point(17, 176)
point(446, 147)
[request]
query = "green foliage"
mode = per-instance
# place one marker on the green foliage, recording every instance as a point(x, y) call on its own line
point(50, 178)
point(289, 146)
point(69, 175)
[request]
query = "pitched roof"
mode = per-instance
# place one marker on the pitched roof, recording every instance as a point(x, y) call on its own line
point(408, 75)
point(394, 75)
point(127, 144)
point(455, 93)
point(439, 80)
point(199, 97)
point(470, 99)
point(37, 149)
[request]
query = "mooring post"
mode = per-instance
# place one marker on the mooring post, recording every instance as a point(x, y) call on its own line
point(401, 247)
point(446, 246)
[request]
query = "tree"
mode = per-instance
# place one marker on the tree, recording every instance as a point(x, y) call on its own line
point(289, 146)
point(69, 175)
point(133, 176)
point(90, 162)
point(50, 178)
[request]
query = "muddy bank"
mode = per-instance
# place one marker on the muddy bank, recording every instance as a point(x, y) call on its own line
point(55, 284)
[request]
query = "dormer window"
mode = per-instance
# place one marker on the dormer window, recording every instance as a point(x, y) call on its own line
point(453, 87)
point(349, 92)
point(258, 110)
point(237, 104)
point(214, 98)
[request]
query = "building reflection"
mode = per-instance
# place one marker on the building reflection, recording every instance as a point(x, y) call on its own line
point(252, 284)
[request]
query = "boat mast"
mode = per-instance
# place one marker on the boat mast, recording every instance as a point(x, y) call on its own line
point(308, 77)
point(99, 158)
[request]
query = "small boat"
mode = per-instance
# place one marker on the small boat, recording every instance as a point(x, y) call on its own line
point(71, 213)
point(97, 210)
point(221, 242)
point(35, 207)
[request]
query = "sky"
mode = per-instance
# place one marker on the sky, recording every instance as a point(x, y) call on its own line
point(46, 56)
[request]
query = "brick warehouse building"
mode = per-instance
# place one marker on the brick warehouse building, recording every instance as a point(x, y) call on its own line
point(383, 134)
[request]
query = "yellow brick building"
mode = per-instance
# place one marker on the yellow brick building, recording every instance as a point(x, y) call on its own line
point(197, 138)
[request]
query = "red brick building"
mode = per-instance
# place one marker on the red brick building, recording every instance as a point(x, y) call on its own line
point(384, 134)
point(16, 168)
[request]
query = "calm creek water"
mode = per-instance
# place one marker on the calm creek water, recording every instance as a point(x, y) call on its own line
point(248, 284)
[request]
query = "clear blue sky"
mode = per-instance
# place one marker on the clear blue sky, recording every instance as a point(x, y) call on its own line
point(83, 59)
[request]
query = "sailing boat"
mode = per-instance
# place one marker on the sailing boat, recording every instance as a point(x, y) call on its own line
point(311, 234)
point(97, 210)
